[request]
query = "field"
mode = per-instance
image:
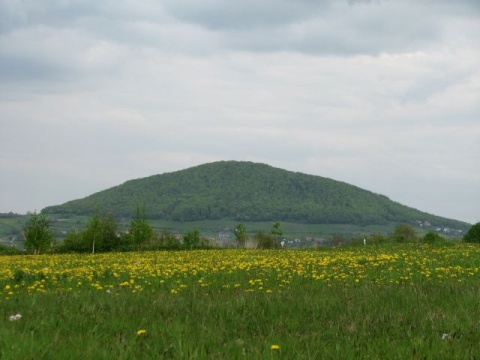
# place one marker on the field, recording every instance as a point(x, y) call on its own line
point(389, 302)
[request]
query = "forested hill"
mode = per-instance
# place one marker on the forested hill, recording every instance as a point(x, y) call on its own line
point(250, 192)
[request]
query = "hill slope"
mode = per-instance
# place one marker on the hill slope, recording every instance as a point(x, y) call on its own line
point(248, 191)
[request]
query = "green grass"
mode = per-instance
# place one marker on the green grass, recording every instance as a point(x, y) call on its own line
point(387, 302)
point(308, 322)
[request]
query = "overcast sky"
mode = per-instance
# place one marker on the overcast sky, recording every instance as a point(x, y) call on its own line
point(384, 95)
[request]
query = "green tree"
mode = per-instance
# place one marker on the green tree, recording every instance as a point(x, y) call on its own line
point(140, 231)
point(74, 241)
point(108, 233)
point(276, 231)
point(37, 232)
point(191, 239)
point(101, 234)
point(404, 233)
point(240, 235)
point(473, 234)
point(432, 237)
point(91, 235)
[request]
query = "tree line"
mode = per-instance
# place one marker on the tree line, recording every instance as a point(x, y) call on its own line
point(102, 234)
point(404, 233)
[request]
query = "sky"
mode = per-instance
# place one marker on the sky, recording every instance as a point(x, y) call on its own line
point(381, 94)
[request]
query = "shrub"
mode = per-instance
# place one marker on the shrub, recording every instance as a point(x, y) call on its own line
point(240, 235)
point(9, 250)
point(191, 238)
point(404, 233)
point(377, 239)
point(373, 239)
point(167, 240)
point(74, 242)
point(432, 237)
point(266, 241)
point(473, 234)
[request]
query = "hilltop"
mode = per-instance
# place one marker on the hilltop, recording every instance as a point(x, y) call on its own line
point(247, 191)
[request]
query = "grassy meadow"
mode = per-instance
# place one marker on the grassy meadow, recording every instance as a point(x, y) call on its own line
point(395, 301)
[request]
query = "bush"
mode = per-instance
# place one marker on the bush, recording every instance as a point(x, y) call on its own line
point(432, 237)
point(74, 242)
point(374, 239)
point(140, 231)
point(266, 241)
point(165, 240)
point(404, 233)
point(377, 239)
point(337, 240)
point(473, 234)
point(240, 235)
point(193, 240)
point(9, 250)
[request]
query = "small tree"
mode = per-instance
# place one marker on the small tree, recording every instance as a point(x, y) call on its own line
point(140, 231)
point(473, 234)
point(240, 235)
point(74, 241)
point(191, 239)
point(404, 233)
point(91, 234)
point(109, 233)
point(276, 231)
point(37, 232)
point(432, 237)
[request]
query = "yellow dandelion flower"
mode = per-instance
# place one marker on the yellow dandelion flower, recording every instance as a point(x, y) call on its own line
point(141, 332)
point(275, 347)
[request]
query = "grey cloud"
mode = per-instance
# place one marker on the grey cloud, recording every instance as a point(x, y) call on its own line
point(79, 13)
point(189, 26)
point(324, 27)
point(20, 14)
point(14, 69)
point(332, 39)
point(222, 15)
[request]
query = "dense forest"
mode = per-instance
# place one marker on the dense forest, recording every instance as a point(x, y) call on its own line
point(247, 191)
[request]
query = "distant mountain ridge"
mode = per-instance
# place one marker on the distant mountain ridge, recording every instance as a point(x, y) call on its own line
point(250, 192)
